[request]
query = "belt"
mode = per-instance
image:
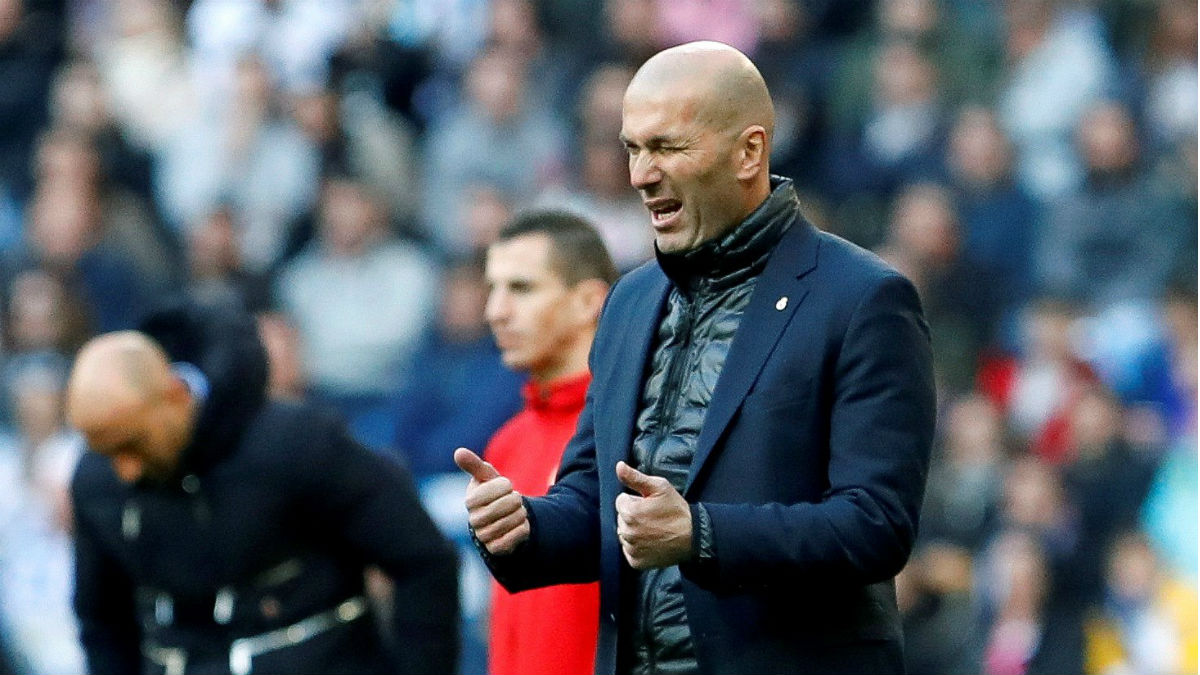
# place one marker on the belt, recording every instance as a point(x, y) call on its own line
point(242, 651)
point(172, 659)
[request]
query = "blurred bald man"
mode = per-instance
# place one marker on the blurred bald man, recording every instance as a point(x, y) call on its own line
point(745, 478)
point(219, 532)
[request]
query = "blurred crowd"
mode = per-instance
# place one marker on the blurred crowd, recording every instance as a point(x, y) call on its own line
point(338, 165)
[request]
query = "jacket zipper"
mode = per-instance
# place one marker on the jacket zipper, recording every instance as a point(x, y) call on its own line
point(671, 383)
point(667, 403)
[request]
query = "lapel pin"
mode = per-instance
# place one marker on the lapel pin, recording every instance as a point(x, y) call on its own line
point(781, 304)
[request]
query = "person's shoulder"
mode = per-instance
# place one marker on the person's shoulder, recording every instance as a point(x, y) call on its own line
point(844, 277)
point(292, 436)
point(290, 418)
point(851, 270)
point(841, 257)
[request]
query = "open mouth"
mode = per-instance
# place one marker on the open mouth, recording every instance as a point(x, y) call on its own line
point(661, 212)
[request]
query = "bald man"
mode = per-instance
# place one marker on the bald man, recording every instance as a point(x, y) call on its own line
point(219, 532)
point(745, 478)
point(124, 399)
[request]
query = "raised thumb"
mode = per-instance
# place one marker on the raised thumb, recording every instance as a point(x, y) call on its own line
point(474, 465)
point(645, 485)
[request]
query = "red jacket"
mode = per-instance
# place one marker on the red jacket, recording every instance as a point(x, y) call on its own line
point(550, 631)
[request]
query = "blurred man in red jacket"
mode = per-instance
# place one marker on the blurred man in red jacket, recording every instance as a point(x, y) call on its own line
point(548, 274)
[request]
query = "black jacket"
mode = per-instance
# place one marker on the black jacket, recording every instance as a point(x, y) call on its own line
point(270, 520)
point(711, 288)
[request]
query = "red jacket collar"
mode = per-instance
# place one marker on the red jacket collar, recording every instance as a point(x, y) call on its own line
point(565, 393)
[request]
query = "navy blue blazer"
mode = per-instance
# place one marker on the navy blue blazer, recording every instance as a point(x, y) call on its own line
point(811, 463)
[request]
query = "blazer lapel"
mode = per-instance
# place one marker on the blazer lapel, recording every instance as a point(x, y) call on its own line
point(780, 289)
point(638, 325)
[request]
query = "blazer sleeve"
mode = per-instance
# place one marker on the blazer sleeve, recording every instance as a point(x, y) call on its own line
point(372, 506)
point(564, 543)
point(880, 434)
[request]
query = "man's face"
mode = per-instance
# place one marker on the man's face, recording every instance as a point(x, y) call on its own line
point(683, 167)
point(142, 438)
point(532, 312)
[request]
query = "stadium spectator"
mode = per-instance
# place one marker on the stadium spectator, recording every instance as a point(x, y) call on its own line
point(456, 387)
point(500, 135)
point(999, 219)
point(923, 241)
point(247, 153)
point(361, 298)
point(1113, 241)
point(37, 457)
point(1059, 66)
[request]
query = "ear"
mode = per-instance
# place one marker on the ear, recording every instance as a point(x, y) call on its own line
point(752, 152)
point(177, 390)
point(589, 299)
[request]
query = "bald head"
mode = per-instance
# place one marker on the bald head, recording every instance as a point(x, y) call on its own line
point(697, 122)
point(725, 85)
point(112, 372)
point(125, 400)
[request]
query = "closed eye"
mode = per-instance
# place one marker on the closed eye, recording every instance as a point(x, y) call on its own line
point(654, 144)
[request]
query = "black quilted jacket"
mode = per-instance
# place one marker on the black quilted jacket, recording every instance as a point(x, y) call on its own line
point(712, 285)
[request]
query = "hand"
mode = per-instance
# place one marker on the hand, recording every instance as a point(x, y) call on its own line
point(495, 511)
point(655, 528)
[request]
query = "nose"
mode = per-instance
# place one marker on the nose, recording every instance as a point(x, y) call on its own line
point(643, 171)
point(496, 307)
point(129, 469)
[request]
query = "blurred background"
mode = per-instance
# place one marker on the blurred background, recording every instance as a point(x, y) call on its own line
point(338, 165)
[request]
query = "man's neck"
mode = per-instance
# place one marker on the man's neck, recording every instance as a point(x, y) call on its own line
point(546, 383)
